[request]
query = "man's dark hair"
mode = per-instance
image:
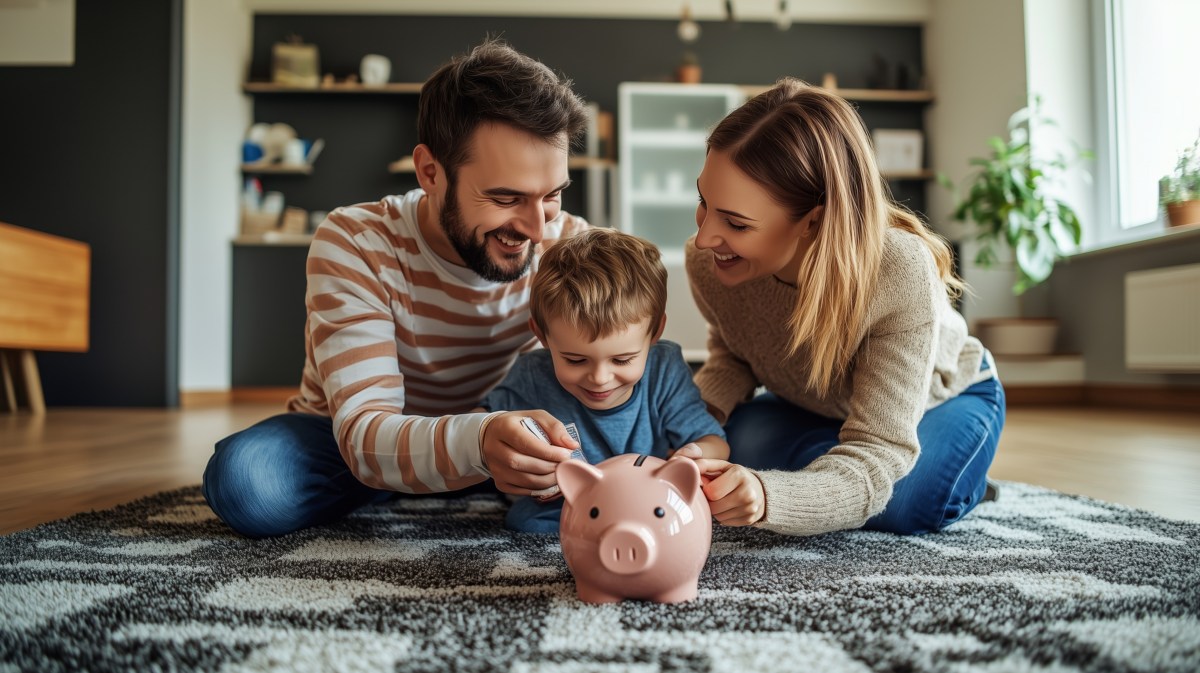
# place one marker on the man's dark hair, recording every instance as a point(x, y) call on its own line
point(494, 83)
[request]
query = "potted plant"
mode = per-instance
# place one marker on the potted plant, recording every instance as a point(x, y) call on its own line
point(688, 71)
point(1012, 201)
point(1180, 191)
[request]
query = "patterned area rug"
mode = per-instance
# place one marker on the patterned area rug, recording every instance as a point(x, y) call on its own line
point(1037, 581)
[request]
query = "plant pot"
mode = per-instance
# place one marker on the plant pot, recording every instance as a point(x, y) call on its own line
point(1018, 336)
point(1183, 213)
point(688, 74)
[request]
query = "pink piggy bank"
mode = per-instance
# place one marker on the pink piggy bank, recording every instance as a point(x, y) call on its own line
point(634, 526)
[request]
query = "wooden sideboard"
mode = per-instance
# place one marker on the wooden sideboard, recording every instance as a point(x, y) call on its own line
point(45, 284)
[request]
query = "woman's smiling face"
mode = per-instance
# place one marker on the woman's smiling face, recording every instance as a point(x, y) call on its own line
point(750, 235)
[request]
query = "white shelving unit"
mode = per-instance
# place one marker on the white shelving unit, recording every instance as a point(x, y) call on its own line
point(662, 131)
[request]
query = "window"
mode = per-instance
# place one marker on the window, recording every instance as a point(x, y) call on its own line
point(1151, 102)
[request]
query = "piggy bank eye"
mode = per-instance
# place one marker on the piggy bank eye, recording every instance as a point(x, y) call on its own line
point(595, 512)
point(659, 512)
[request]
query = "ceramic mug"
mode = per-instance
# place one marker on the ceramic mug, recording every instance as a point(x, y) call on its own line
point(375, 70)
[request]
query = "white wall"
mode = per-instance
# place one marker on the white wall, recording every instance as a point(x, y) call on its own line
point(1059, 67)
point(975, 57)
point(216, 56)
point(37, 32)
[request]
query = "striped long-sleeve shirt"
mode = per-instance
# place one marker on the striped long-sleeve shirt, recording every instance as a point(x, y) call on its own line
point(400, 344)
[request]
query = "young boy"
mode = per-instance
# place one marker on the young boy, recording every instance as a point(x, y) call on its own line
point(598, 305)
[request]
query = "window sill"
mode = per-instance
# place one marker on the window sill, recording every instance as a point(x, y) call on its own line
point(1165, 236)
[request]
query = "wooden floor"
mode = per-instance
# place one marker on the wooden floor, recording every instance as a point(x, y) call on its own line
point(76, 460)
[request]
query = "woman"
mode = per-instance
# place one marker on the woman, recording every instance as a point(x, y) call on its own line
point(880, 411)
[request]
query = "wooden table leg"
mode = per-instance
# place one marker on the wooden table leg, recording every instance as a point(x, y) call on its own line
point(10, 393)
point(33, 382)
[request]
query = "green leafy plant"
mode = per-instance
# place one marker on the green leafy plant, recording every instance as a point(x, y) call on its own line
point(1183, 184)
point(1012, 200)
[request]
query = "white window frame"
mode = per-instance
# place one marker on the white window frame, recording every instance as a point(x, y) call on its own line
point(1108, 106)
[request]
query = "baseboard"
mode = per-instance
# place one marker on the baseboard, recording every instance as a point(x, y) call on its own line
point(1039, 396)
point(262, 395)
point(1163, 398)
point(195, 399)
point(1159, 398)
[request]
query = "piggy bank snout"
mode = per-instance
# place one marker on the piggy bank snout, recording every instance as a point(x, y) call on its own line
point(627, 548)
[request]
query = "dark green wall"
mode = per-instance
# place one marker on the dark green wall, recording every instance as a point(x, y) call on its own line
point(365, 132)
point(90, 153)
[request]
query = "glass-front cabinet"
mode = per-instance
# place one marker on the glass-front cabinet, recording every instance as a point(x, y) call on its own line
point(662, 132)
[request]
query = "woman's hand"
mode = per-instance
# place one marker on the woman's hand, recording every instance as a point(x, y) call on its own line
point(735, 495)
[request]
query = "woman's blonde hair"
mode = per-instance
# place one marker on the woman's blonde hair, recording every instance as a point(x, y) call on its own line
point(600, 281)
point(807, 147)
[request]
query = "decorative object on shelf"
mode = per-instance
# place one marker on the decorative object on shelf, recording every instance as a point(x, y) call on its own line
point(879, 76)
point(1013, 199)
point(783, 20)
point(689, 71)
point(275, 141)
point(294, 63)
point(296, 151)
point(898, 150)
point(375, 70)
point(1018, 336)
point(295, 221)
point(688, 30)
point(1179, 192)
point(314, 150)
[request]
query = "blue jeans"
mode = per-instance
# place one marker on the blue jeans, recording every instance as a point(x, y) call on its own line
point(958, 441)
point(283, 474)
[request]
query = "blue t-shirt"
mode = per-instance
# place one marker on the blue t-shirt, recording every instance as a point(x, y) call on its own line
point(663, 412)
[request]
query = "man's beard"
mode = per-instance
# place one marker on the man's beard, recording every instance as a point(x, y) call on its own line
point(475, 254)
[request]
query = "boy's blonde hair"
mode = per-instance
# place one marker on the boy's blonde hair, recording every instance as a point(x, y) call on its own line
point(599, 281)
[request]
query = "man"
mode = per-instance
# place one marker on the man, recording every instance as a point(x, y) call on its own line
point(417, 307)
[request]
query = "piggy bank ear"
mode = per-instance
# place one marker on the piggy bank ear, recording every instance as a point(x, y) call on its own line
point(574, 476)
point(683, 473)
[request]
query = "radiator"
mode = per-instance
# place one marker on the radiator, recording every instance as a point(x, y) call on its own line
point(1162, 319)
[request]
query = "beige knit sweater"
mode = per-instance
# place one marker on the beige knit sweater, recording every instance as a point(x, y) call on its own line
point(913, 355)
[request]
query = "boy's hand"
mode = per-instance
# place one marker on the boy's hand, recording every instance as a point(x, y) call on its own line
point(735, 495)
point(519, 460)
point(708, 446)
point(690, 450)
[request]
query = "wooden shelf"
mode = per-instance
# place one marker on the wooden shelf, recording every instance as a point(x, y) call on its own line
point(402, 165)
point(868, 95)
point(405, 164)
point(407, 88)
point(274, 238)
point(277, 169)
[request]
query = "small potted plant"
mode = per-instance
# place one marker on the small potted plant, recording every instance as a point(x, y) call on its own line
point(1012, 201)
point(1180, 191)
point(688, 71)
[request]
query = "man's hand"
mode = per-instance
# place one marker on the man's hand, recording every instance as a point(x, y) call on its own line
point(735, 495)
point(519, 460)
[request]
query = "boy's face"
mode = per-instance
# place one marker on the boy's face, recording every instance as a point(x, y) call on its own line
point(602, 373)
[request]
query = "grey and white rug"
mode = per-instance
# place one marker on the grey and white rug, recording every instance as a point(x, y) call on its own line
point(1037, 581)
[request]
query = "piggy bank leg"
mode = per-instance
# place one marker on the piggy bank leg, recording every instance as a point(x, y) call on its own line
point(590, 594)
point(679, 594)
